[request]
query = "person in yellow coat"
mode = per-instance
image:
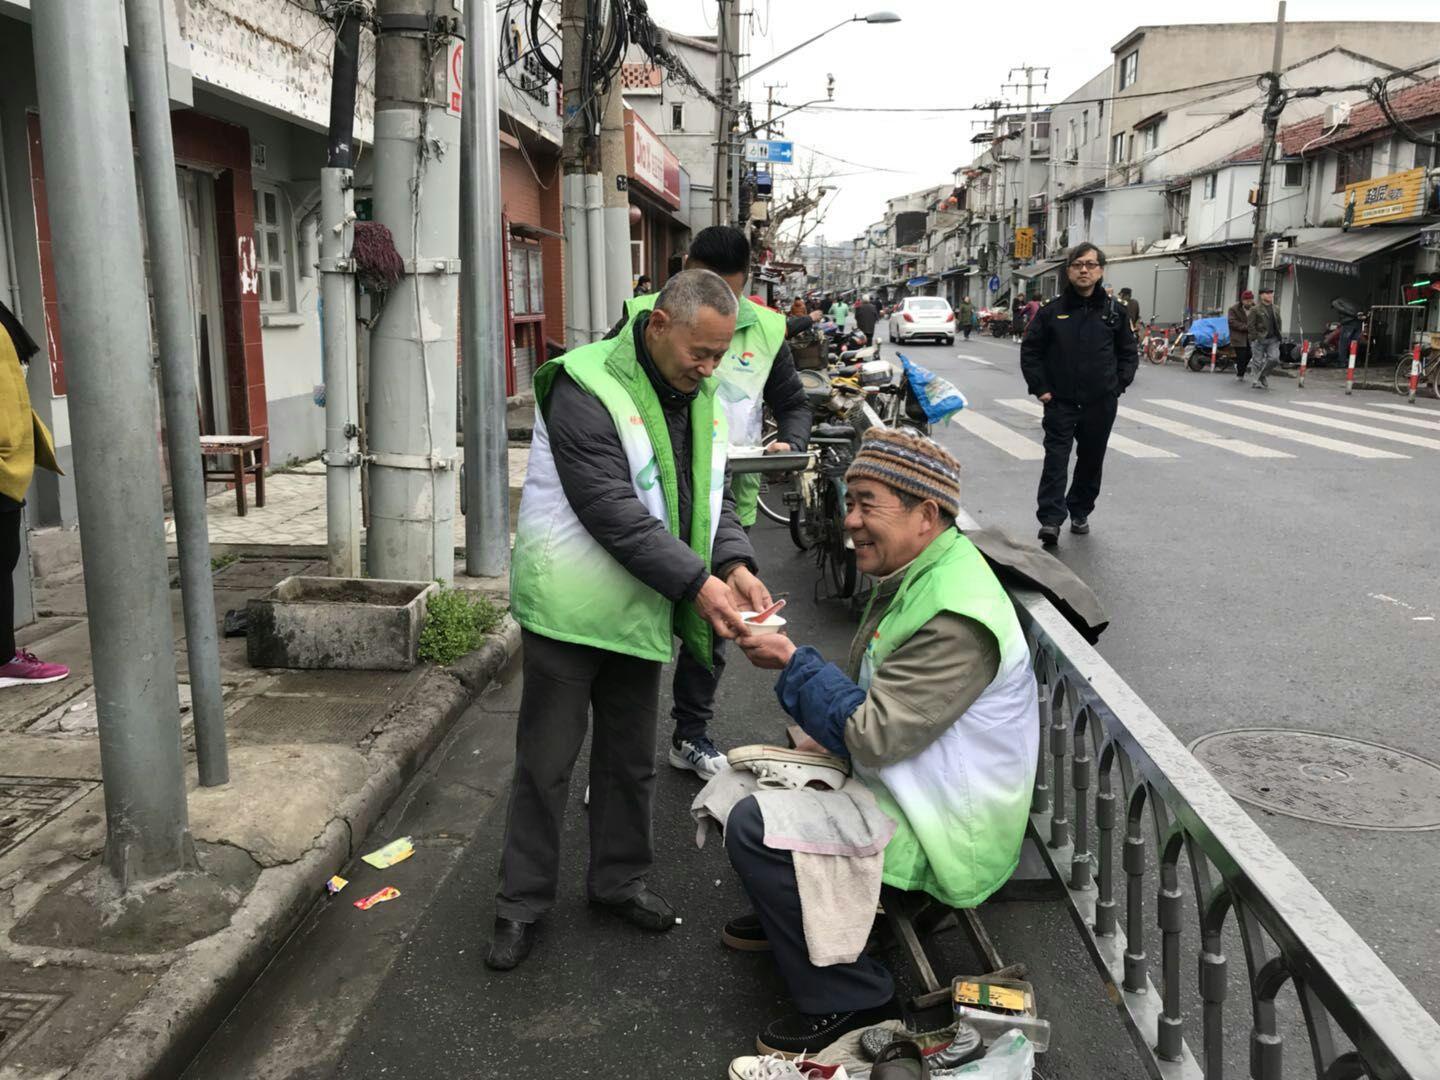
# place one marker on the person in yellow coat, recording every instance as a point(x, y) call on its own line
point(24, 443)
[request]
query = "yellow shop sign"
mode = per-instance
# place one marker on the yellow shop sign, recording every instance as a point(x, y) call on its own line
point(1388, 198)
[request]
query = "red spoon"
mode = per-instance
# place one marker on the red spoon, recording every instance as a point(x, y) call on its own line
point(771, 610)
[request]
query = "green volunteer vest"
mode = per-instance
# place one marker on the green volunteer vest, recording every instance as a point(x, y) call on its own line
point(962, 803)
point(742, 374)
point(563, 584)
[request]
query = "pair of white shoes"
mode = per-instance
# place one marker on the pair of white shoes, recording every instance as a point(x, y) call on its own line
point(771, 1067)
point(781, 767)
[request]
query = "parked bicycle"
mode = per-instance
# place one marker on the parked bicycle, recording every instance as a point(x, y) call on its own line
point(1429, 372)
point(1157, 341)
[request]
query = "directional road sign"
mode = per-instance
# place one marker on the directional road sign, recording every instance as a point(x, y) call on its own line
point(774, 151)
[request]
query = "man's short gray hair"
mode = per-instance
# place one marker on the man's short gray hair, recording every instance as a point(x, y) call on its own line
point(690, 290)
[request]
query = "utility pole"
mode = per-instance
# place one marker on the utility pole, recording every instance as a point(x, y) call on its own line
point(573, 44)
point(337, 308)
point(1273, 108)
point(1027, 139)
point(482, 296)
point(724, 204)
point(105, 333)
point(412, 358)
point(169, 267)
point(615, 180)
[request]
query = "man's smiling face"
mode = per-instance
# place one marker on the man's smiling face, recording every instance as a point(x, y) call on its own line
point(887, 534)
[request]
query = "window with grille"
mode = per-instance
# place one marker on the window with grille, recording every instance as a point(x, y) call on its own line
point(527, 279)
point(677, 116)
point(1209, 188)
point(1351, 167)
point(1129, 70)
point(1150, 137)
point(1212, 288)
point(272, 249)
point(1294, 174)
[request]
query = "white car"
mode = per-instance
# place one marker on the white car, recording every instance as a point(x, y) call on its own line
point(923, 317)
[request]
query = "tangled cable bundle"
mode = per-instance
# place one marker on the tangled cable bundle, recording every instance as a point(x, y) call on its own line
point(377, 264)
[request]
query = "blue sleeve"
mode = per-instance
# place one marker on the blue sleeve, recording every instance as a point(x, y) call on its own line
point(819, 697)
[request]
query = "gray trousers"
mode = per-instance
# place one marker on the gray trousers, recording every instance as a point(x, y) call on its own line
point(563, 684)
point(768, 875)
point(1265, 357)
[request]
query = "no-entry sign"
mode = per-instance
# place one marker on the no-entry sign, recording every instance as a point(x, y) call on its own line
point(455, 78)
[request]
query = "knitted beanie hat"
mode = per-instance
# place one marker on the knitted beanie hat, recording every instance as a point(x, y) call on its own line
point(909, 462)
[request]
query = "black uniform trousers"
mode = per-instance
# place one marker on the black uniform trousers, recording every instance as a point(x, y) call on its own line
point(768, 875)
point(563, 684)
point(1088, 427)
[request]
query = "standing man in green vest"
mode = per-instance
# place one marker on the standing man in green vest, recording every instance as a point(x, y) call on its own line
point(937, 711)
point(626, 537)
point(757, 371)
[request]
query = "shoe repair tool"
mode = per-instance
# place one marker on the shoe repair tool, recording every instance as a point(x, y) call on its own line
point(993, 1006)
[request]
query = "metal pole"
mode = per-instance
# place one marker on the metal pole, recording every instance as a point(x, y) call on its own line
point(412, 360)
point(337, 312)
point(614, 178)
point(572, 183)
point(482, 296)
point(99, 269)
point(168, 267)
point(1273, 109)
point(595, 251)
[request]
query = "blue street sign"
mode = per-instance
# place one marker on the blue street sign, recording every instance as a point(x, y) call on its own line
point(994, 283)
point(774, 151)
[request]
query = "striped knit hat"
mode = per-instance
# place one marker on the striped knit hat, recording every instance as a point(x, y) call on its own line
point(911, 463)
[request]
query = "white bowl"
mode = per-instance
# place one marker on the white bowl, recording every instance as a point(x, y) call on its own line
point(772, 625)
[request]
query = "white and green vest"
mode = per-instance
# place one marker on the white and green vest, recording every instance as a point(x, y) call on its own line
point(742, 374)
point(962, 803)
point(563, 584)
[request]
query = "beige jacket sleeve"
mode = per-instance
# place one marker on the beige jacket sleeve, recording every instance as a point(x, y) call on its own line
point(922, 688)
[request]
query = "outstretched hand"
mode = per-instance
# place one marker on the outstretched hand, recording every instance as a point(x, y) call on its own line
point(716, 603)
point(770, 651)
point(750, 592)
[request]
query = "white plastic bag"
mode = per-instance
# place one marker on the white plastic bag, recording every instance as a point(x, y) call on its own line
point(1010, 1057)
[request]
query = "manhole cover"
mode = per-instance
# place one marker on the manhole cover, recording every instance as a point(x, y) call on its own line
point(21, 1012)
point(28, 802)
point(1325, 778)
point(280, 719)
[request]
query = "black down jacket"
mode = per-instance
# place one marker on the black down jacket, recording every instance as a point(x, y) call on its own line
point(1079, 348)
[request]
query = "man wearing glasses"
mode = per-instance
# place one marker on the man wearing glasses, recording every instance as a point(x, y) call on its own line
point(1078, 356)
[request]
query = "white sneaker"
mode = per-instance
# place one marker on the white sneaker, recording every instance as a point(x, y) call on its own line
point(697, 755)
point(778, 1068)
point(780, 767)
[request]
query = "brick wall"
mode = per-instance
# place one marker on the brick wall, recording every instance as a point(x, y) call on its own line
point(524, 200)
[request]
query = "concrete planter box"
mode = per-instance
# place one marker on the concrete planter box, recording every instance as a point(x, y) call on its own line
point(349, 623)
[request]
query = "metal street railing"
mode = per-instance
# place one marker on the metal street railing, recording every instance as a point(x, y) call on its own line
point(1107, 765)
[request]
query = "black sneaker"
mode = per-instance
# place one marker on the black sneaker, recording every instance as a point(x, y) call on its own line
point(1079, 525)
point(801, 1033)
point(1049, 535)
point(745, 934)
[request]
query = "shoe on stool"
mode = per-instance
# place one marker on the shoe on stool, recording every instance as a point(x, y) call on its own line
point(800, 1033)
point(512, 942)
point(645, 909)
point(1079, 525)
point(1049, 535)
point(779, 1068)
point(745, 934)
point(698, 755)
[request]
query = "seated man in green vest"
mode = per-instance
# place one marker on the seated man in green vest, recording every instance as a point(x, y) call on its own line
point(757, 371)
point(627, 536)
point(937, 711)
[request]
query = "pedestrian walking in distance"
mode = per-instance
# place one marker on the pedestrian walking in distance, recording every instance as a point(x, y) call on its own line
point(1078, 357)
point(1132, 309)
point(1263, 322)
point(1239, 319)
point(966, 317)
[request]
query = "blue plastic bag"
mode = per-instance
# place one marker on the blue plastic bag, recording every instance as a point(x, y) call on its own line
point(940, 398)
point(1206, 331)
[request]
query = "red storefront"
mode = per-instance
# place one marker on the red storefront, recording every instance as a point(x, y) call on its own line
point(656, 233)
point(534, 259)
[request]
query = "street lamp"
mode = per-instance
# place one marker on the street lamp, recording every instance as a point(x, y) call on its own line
point(874, 18)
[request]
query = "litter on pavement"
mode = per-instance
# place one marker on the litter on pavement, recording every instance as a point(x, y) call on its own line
point(392, 853)
point(387, 893)
point(335, 884)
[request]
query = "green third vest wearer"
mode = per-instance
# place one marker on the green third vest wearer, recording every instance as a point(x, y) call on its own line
point(742, 374)
point(563, 584)
point(963, 802)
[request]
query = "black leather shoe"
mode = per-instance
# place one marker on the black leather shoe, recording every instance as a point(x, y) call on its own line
point(511, 944)
point(802, 1033)
point(745, 934)
point(1049, 535)
point(645, 909)
point(1080, 526)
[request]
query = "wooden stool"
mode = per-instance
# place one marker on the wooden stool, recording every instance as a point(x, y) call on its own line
point(248, 452)
point(902, 910)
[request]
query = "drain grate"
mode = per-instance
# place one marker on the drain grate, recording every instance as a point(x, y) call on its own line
point(1326, 778)
point(21, 1012)
point(28, 802)
point(275, 718)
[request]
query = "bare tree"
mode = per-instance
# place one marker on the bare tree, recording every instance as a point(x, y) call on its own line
point(799, 209)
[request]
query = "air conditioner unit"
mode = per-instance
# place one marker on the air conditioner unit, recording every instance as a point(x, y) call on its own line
point(1337, 115)
point(1138, 245)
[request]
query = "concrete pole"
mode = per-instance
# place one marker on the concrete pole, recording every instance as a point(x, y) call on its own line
point(572, 184)
point(99, 270)
point(168, 268)
point(1273, 109)
point(1022, 212)
point(337, 308)
point(413, 347)
point(614, 179)
point(482, 295)
point(595, 252)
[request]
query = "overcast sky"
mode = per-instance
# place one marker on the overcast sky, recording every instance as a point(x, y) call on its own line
point(946, 53)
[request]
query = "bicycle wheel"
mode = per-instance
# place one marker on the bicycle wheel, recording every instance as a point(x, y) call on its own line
point(838, 557)
point(1402, 377)
point(1157, 350)
point(805, 521)
point(767, 503)
point(1435, 378)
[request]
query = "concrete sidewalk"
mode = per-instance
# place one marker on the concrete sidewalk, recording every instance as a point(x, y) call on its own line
point(94, 984)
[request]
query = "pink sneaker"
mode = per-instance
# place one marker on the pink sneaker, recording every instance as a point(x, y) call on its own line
point(27, 669)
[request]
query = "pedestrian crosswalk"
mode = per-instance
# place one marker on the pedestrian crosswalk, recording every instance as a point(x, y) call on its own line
point(1174, 429)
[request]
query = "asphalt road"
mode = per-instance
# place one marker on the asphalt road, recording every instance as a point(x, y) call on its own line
point(1245, 591)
